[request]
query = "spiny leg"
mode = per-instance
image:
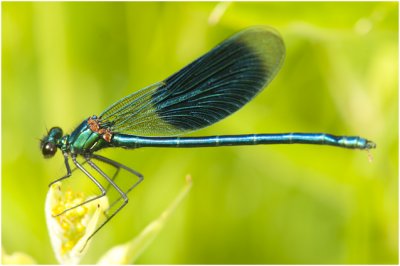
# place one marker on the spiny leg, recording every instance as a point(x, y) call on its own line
point(69, 172)
point(94, 180)
point(118, 166)
point(122, 194)
point(113, 177)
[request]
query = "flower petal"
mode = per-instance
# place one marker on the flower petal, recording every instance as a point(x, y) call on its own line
point(70, 231)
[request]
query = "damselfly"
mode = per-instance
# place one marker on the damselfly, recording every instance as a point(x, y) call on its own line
point(209, 89)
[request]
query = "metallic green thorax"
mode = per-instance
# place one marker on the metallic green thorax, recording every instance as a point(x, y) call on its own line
point(84, 140)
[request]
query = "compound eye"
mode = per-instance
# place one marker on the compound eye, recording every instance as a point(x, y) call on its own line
point(49, 149)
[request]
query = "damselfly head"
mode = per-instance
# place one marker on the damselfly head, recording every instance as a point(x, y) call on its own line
point(48, 144)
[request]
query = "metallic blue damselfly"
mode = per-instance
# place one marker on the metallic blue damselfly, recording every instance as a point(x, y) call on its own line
point(204, 92)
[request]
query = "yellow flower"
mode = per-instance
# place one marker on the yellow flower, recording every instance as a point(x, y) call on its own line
point(70, 231)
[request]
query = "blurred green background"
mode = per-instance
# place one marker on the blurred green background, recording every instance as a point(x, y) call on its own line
point(62, 62)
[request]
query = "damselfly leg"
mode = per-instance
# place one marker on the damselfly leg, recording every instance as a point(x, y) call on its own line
point(91, 177)
point(69, 172)
point(122, 195)
point(118, 166)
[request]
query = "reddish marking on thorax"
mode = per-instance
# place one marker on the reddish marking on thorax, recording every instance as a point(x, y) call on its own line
point(106, 134)
point(95, 126)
